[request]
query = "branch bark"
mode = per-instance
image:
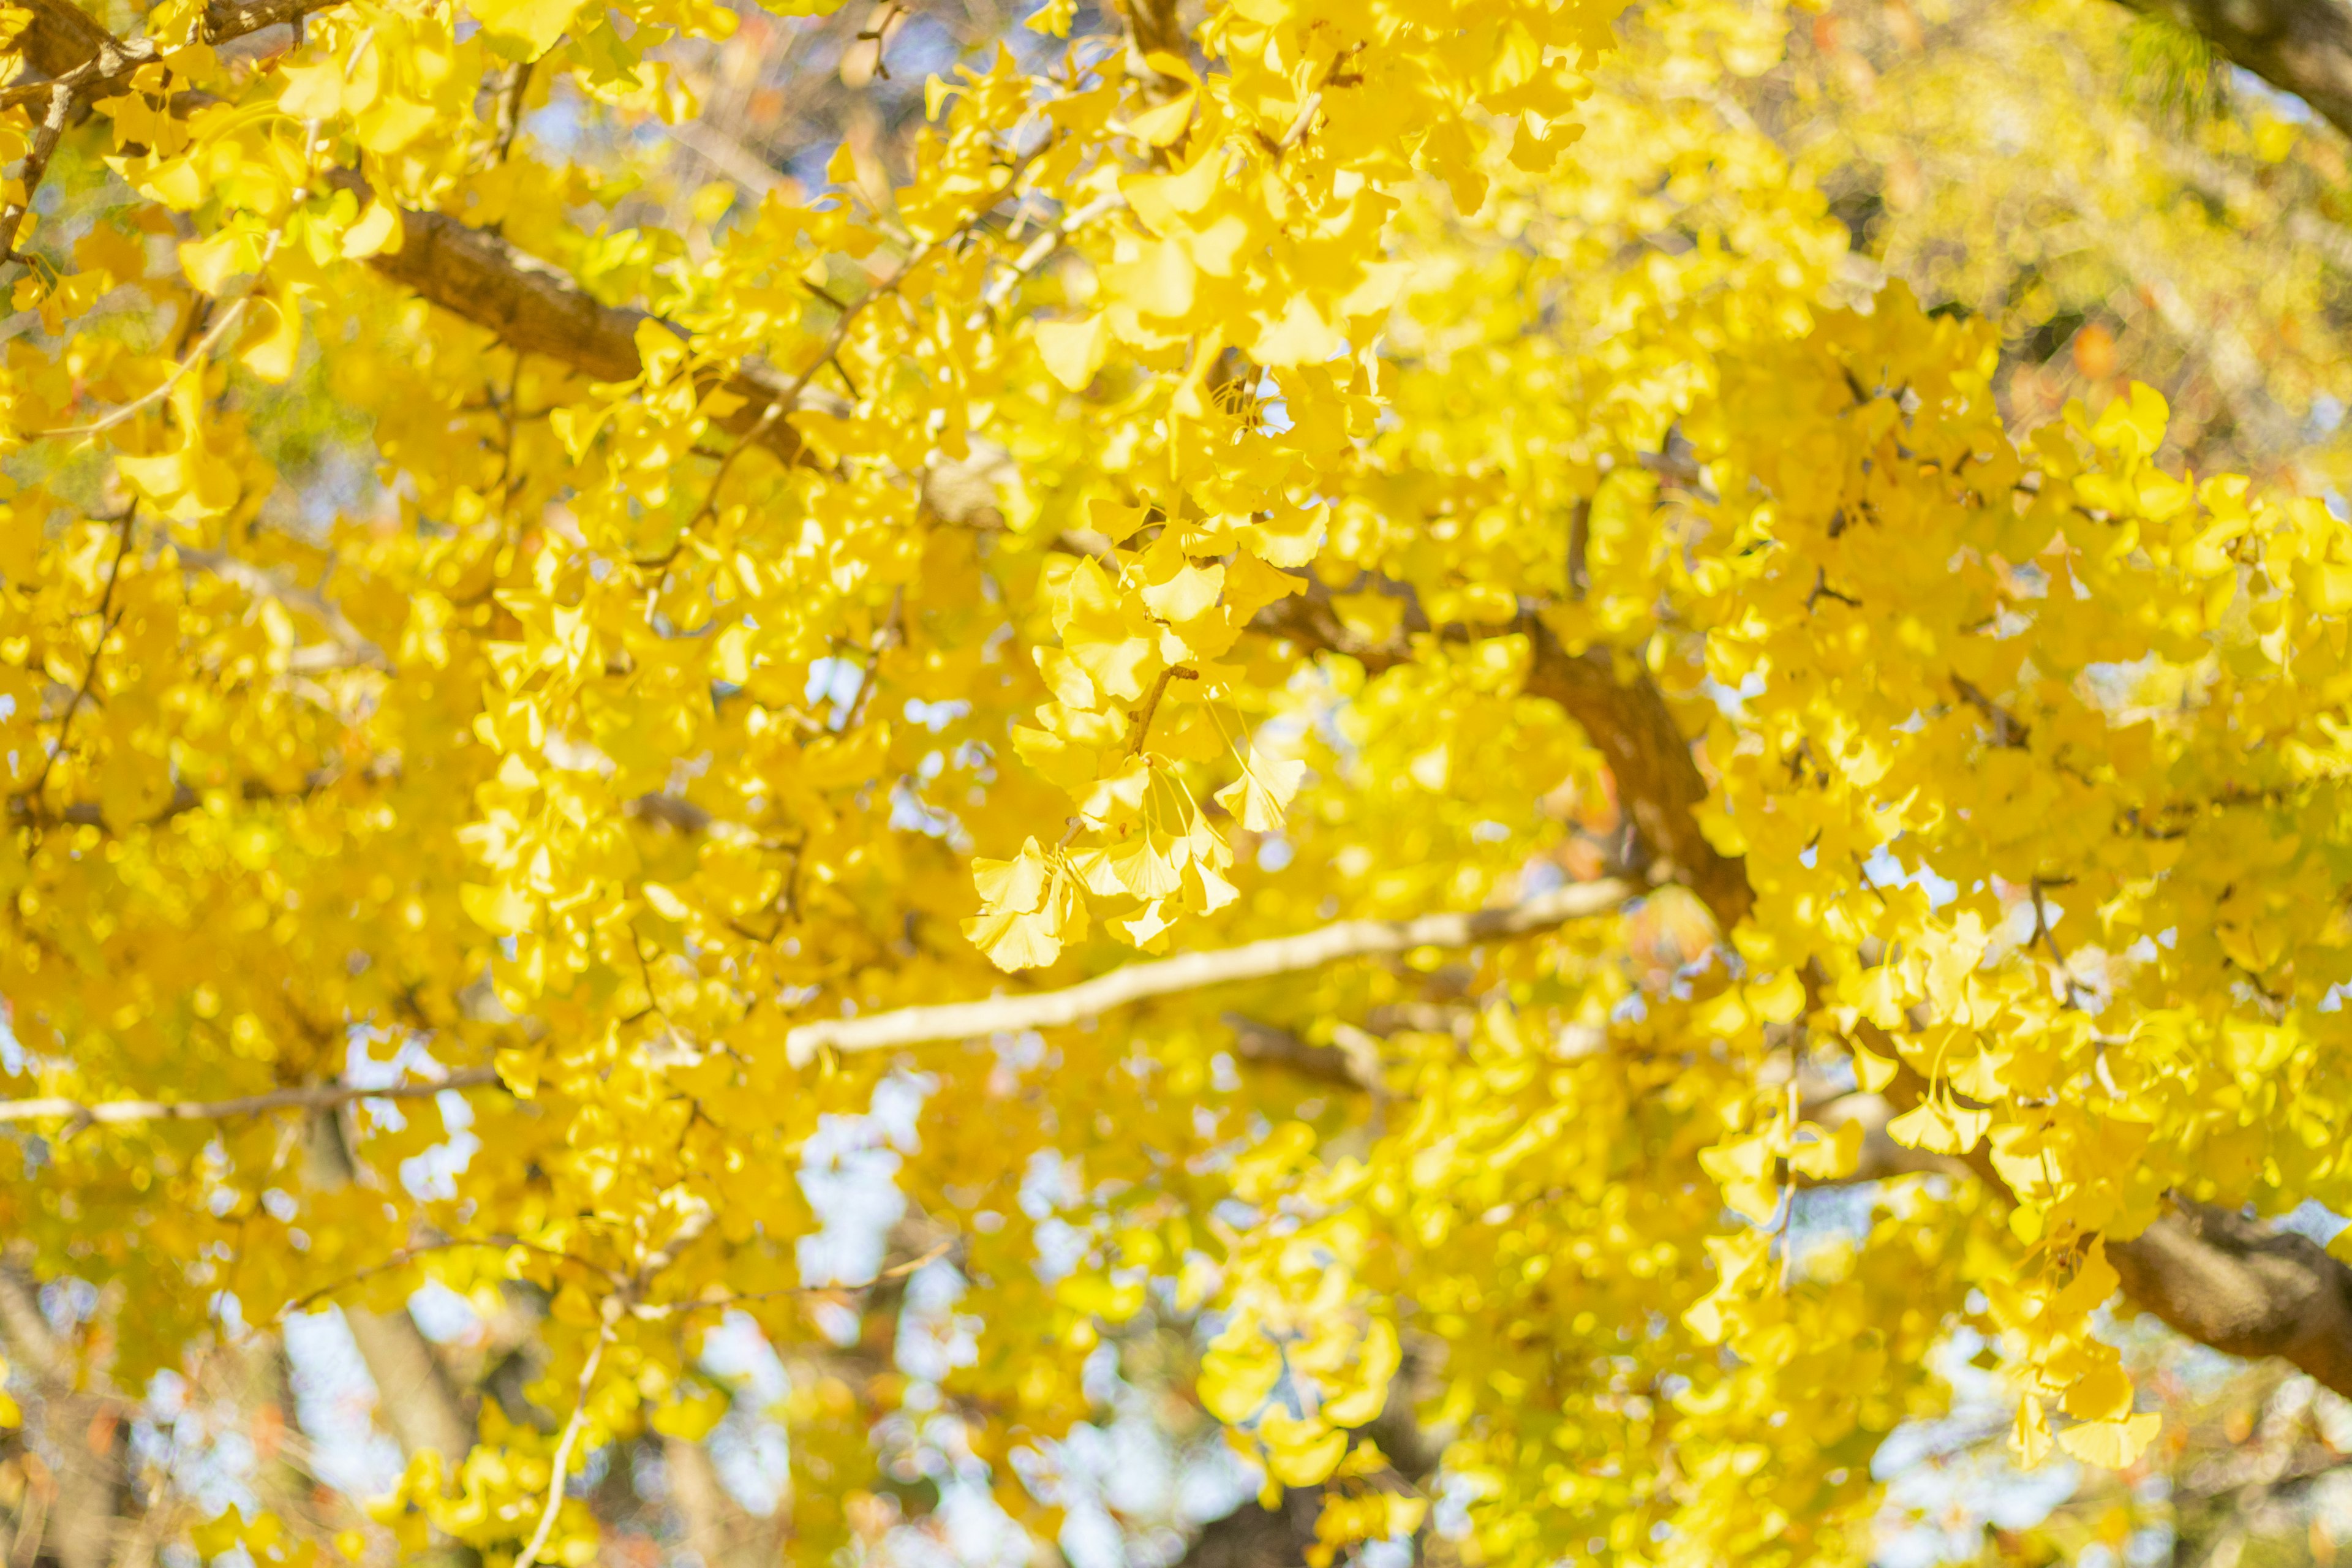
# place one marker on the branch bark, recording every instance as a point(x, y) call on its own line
point(1198, 970)
point(1624, 714)
point(2299, 47)
point(2243, 1287)
point(718, 1528)
point(530, 306)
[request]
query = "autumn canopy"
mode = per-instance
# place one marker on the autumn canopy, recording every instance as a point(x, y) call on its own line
point(1351, 695)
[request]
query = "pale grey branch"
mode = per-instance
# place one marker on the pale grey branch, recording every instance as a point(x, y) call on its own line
point(1198, 971)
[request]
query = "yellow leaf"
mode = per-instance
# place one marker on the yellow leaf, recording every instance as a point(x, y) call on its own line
point(377, 233)
point(1014, 941)
point(1052, 18)
point(2030, 1437)
point(502, 910)
point(1074, 351)
point(690, 1418)
point(1779, 1000)
point(1017, 885)
point(1938, 1127)
point(1165, 125)
point(274, 341)
point(2102, 1393)
point(2110, 1444)
point(1262, 795)
point(1157, 281)
point(313, 92)
point(1237, 1378)
point(524, 29)
point(660, 350)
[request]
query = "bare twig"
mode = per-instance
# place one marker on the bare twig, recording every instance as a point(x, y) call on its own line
point(193, 358)
point(1042, 249)
point(408, 1255)
point(1198, 970)
point(571, 1438)
point(63, 96)
point(318, 1097)
point(510, 122)
point(107, 619)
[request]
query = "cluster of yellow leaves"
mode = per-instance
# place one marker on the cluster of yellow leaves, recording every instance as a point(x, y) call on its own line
point(584, 752)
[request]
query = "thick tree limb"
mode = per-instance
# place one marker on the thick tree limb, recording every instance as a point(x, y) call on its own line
point(415, 1394)
point(531, 307)
point(1259, 1042)
point(535, 309)
point(85, 1433)
point(1622, 712)
point(320, 1097)
point(2243, 1287)
point(2238, 1285)
point(718, 1528)
point(1198, 970)
point(2299, 47)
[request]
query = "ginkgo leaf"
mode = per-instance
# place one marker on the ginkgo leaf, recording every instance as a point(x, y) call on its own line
point(1939, 1127)
point(1148, 928)
point(501, 908)
point(2103, 1393)
point(273, 342)
point(2031, 1436)
point(1016, 886)
point(690, 1418)
point(1166, 124)
point(1262, 795)
point(2112, 1444)
point(377, 232)
point(1013, 940)
point(1074, 351)
point(525, 29)
point(1237, 1378)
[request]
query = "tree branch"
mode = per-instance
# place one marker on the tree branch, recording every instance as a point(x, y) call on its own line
point(1625, 715)
point(2243, 1287)
point(86, 1434)
point(2301, 47)
point(320, 1097)
point(530, 306)
point(1197, 971)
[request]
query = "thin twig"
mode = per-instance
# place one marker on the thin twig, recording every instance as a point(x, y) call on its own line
point(97, 653)
point(891, 634)
point(736, 1297)
point(408, 1255)
point(1040, 249)
point(261, 582)
point(564, 1445)
point(1139, 724)
point(510, 110)
point(194, 357)
point(318, 1097)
